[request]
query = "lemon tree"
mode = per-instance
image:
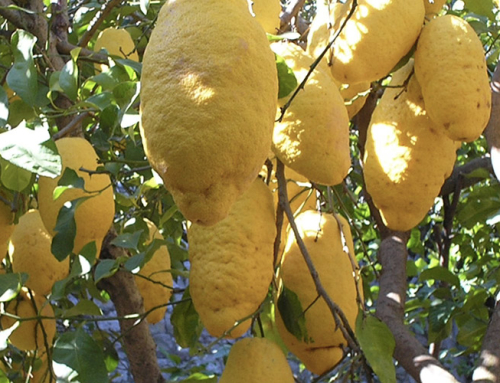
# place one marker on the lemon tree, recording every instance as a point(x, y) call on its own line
point(249, 191)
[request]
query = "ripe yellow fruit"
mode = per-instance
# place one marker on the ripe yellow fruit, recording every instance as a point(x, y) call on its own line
point(232, 262)
point(451, 68)
point(433, 7)
point(118, 42)
point(267, 13)
point(313, 136)
point(322, 237)
point(208, 102)
point(407, 156)
point(157, 269)
point(375, 38)
point(30, 334)
point(95, 215)
point(253, 360)
point(29, 252)
point(6, 227)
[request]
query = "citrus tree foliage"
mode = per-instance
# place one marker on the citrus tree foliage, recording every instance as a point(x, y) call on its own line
point(54, 85)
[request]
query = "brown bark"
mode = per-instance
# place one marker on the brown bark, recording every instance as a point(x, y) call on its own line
point(459, 180)
point(412, 355)
point(137, 340)
point(488, 369)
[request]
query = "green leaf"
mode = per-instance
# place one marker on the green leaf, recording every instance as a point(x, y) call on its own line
point(136, 262)
point(144, 6)
point(377, 343)
point(292, 314)
point(128, 240)
point(10, 285)
point(83, 307)
point(440, 273)
point(78, 358)
point(284, 36)
point(68, 78)
point(105, 268)
point(198, 377)
point(69, 180)
point(186, 322)
point(13, 177)
point(32, 150)
point(4, 107)
point(440, 314)
point(64, 239)
point(481, 7)
point(286, 77)
point(23, 77)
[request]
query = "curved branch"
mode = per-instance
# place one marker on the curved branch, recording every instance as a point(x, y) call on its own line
point(412, 356)
point(488, 369)
point(105, 11)
point(459, 180)
point(14, 16)
point(138, 342)
point(290, 12)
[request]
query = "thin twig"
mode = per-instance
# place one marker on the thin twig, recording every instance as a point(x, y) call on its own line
point(101, 16)
point(73, 124)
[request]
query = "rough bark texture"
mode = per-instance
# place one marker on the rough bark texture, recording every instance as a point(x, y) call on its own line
point(390, 309)
point(492, 131)
point(488, 369)
point(137, 340)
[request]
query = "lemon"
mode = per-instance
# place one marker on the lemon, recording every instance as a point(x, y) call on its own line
point(433, 7)
point(253, 360)
point(232, 262)
point(118, 42)
point(208, 101)
point(157, 269)
point(325, 244)
point(451, 68)
point(375, 38)
point(313, 136)
point(407, 156)
point(6, 227)
point(95, 215)
point(30, 335)
point(267, 13)
point(30, 252)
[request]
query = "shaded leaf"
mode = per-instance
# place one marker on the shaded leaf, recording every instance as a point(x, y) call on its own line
point(377, 343)
point(105, 268)
point(186, 322)
point(13, 177)
point(292, 314)
point(440, 273)
point(10, 285)
point(286, 77)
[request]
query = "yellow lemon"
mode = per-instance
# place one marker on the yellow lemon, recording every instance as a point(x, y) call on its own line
point(407, 156)
point(375, 38)
point(327, 245)
point(208, 101)
point(156, 288)
point(451, 68)
point(267, 13)
point(93, 216)
point(30, 252)
point(313, 136)
point(118, 42)
point(6, 227)
point(253, 360)
point(232, 262)
point(33, 333)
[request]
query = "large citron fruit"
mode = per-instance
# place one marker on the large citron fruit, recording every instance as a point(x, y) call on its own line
point(118, 42)
point(451, 68)
point(93, 216)
point(6, 227)
point(208, 103)
point(30, 252)
point(407, 156)
point(232, 262)
point(375, 38)
point(322, 347)
point(32, 334)
point(154, 280)
point(256, 360)
point(313, 136)
point(267, 13)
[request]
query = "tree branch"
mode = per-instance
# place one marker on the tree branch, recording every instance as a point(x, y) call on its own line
point(137, 339)
point(488, 369)
point(391, 310)
point(290, 12)
point(460, 173)
point(101, 16)
point(14, 16)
